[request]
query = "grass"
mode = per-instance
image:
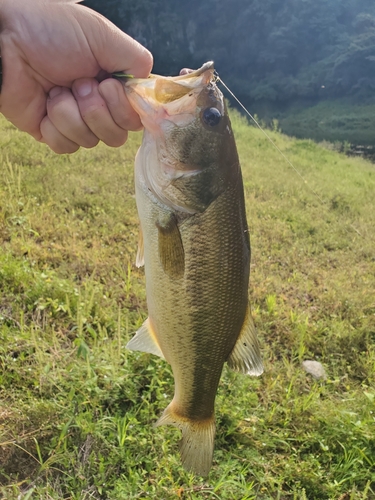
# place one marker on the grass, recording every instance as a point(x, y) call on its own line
point(76, 408)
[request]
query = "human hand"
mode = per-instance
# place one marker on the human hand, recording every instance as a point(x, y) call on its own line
point(56, 56)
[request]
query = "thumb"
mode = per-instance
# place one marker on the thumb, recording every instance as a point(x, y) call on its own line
point(113, 49)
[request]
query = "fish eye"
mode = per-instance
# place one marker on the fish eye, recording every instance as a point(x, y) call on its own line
point(211, 116)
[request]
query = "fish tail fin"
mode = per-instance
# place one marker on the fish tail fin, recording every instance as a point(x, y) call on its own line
point(197, 443)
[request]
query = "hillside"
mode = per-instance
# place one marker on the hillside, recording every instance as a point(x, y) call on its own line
point(76, 408)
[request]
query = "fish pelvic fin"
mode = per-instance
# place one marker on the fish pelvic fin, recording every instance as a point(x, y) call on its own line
point(197, 443)
point(140, 259)
point(245, 356)
point(145, 340)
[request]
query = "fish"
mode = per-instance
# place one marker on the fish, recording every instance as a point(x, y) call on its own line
point(195, 247)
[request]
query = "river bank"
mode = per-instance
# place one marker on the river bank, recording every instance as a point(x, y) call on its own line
point(346, 121)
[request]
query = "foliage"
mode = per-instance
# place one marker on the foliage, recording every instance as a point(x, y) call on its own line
point(76, 408)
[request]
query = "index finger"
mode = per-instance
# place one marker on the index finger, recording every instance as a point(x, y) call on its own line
point(114, 50)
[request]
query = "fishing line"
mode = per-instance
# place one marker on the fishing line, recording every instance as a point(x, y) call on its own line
point(324, 203)
point(269, 138)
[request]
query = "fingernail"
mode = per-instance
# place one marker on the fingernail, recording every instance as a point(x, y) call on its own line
point(54, 92)
point(84, 88)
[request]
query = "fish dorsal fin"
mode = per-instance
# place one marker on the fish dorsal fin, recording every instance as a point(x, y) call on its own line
point(140, 259)
point(245, 356)
point(171, 250)
point(145, 340)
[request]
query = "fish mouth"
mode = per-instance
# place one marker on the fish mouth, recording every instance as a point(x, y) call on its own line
point(174, 95)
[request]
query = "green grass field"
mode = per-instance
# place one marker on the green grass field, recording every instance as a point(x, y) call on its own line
point(76, 408)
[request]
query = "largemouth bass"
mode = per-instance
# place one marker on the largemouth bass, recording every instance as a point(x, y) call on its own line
point(195, 247)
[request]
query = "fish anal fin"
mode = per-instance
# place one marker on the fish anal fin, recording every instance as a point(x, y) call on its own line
point(197, 443)
point(140, 259)
point(171, 250)
point(245, 356)
point(145, 340)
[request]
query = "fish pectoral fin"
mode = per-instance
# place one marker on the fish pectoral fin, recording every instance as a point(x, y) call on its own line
point(145, 341)
point(171, 250)
point(197, 443)
point(245, 356)
point(140, 259)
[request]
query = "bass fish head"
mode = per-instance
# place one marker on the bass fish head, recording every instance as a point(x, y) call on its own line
point(188, 155)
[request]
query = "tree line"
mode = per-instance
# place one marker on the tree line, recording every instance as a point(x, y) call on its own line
point(265, 50)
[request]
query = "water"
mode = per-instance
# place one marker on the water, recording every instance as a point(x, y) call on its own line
point(367, 152)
